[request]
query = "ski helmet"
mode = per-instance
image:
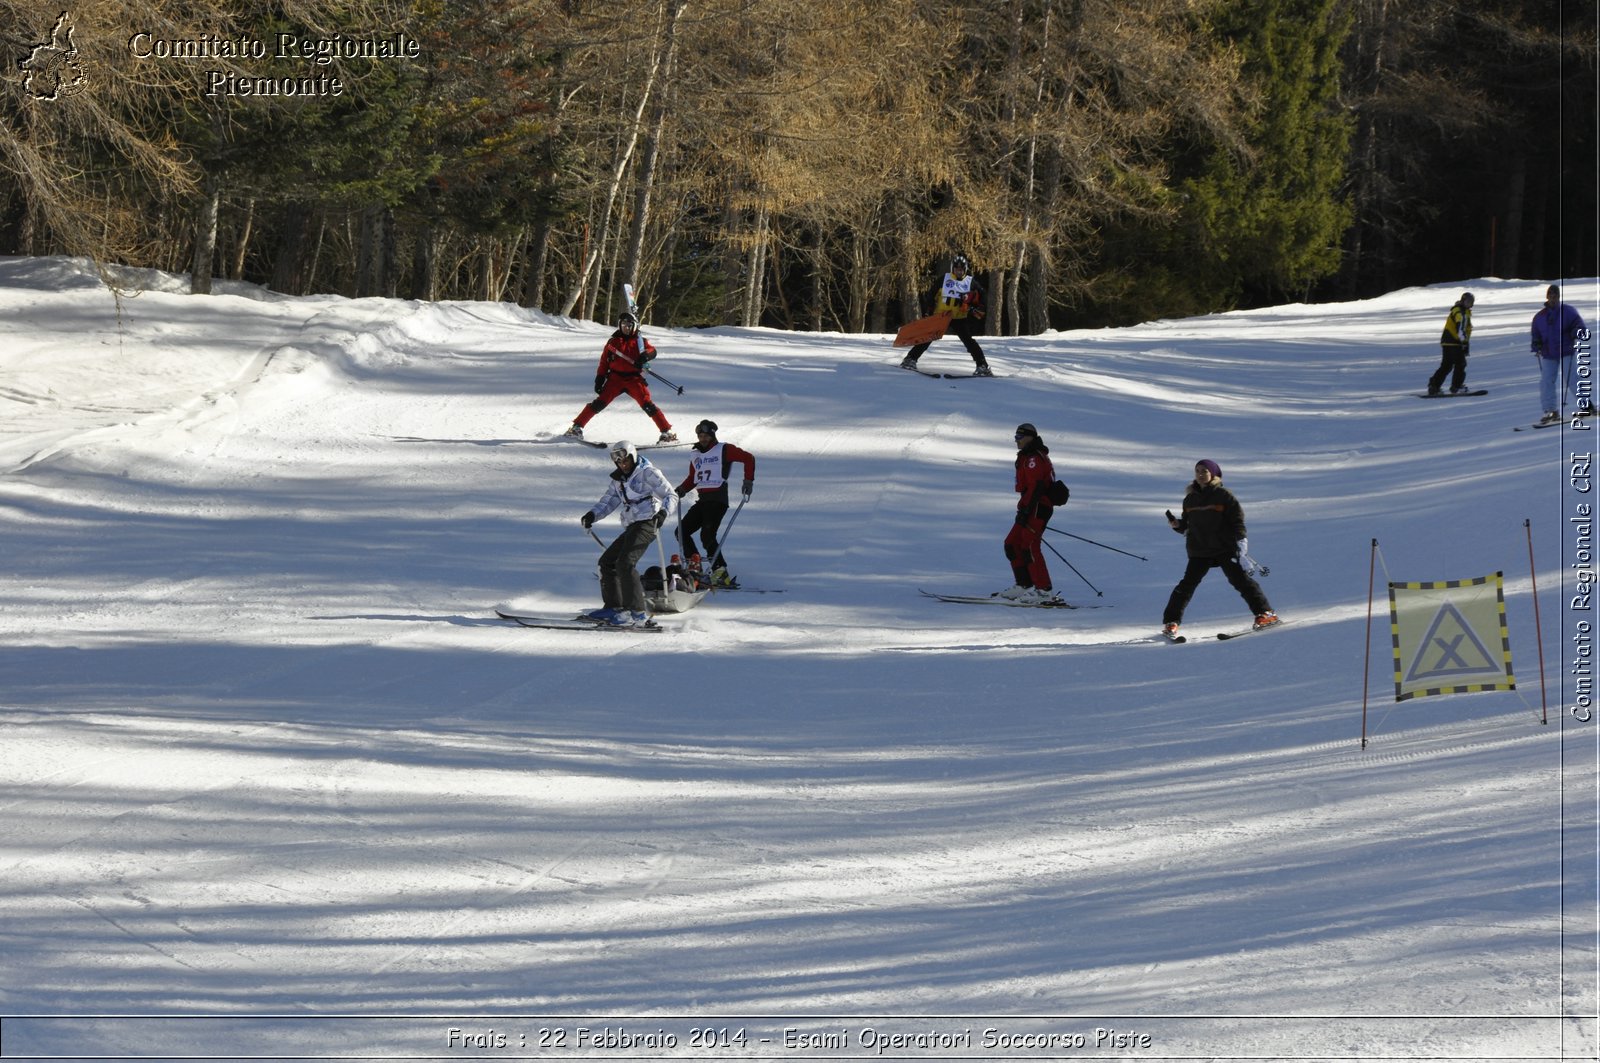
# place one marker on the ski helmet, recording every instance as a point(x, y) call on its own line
point(627, 320)
point(960, 262)
point(624, 449)
point(708, 426)
point(1026, 429)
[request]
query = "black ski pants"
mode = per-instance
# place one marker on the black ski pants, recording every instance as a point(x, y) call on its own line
point(705, 517)
point(1452, 362)
point(963, 329)
point(620, 585)
point(1196, 571)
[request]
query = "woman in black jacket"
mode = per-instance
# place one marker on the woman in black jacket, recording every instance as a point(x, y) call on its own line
point(1214, 534)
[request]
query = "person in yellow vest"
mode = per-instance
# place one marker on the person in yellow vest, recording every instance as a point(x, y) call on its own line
point(961, 296)
point(1453, 343)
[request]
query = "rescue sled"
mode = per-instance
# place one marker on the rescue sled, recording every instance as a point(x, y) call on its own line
point(922, 330)
point(676, 594)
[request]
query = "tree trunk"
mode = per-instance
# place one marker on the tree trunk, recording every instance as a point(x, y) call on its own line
point(1509, 253)
point(243, 248)
point(533, 270)
point(205, 236)
point(860, 280)
point(288, 270)
point(652, 149)
point(618, 173)
point(756, 271)
point(424, 265)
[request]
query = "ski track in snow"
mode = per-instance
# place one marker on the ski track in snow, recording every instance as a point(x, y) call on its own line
point(265, 749)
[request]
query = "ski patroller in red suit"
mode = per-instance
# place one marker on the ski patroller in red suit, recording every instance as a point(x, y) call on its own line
point(1025, 542)
point(621, 371)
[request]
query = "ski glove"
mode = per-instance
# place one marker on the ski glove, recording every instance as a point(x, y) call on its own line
point(660, 518)
point(1244, 547)
point(746, 488)
point(587, 520)
point(599, 384)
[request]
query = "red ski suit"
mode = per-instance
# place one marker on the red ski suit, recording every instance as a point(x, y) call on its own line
point(1035, 474)
point(621, 371)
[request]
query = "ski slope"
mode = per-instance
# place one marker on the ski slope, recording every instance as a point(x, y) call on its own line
point(268, 757)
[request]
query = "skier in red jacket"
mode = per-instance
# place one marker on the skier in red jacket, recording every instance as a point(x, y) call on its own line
point(621, 370)
point(1024, 543)
point(708, 477)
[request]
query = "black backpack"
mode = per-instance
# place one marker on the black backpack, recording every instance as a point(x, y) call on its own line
point(1057, 493)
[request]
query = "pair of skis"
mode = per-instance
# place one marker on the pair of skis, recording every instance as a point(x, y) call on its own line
point(945, 376)
point(1550, 424)
point(581, 622)
point(1224, 636)
point(633, 308)
point(995, 599)
point(597, 444)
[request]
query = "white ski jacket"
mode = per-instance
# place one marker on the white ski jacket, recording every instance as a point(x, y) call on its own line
point(640, 496)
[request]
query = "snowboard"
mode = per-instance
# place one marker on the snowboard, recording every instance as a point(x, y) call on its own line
point(1454, 395)
point(922, 330)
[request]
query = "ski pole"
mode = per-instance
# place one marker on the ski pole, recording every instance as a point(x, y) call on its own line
point(664, 380)
point(1091, 542)
point(722, 538)
point(1254, 566)
point(1098, 592)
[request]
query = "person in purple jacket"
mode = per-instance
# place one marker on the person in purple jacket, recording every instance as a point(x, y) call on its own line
point(1557, 332)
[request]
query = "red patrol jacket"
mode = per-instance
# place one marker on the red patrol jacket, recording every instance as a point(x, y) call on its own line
point(623, 356)
point(1034, 476)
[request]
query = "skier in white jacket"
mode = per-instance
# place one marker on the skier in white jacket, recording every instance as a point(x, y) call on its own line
point(642, 493)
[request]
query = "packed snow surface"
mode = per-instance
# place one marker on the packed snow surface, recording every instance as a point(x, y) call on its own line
point(277, 781)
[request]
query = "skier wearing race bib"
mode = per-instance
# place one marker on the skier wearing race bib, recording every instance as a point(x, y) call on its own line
point(621, 371)
point(1024, 543)
point(708, 476)
point(961, 296)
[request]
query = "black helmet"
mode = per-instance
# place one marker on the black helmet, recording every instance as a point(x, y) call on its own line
point(627, 320)
point(960, 262)
point(708, 426)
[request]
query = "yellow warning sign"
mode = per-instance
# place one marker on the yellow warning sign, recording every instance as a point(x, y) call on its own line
point(1450, 637)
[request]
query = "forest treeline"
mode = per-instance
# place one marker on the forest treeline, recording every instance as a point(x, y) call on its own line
point(807, 164)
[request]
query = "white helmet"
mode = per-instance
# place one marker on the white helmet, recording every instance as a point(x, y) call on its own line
point(623, 448)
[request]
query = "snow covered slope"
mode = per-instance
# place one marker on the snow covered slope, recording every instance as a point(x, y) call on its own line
point(265, 750)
